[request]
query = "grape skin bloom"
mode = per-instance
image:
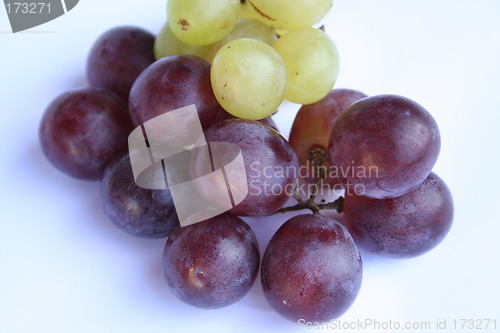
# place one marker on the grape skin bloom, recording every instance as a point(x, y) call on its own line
point(82, 131)
point(392, 142)
point(213, 263)
point(311, 269)
point(402, 227)
point(118, 57)
point(170, 83)
point(138, 211)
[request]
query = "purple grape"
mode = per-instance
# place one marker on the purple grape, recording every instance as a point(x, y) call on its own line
point(401, 227)
point(118, 57)
point(171, 83)
point(138, 211)
point(311, 269)
point(213, 263)
point(313, 125)
point(223, 115)
point(82, 131)
point(384, 146)
point(270, 164)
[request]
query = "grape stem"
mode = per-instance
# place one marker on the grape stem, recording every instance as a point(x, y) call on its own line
point(315, 207)
point(317, 155)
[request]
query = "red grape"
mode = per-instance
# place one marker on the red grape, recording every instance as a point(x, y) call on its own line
point(82, 131)
point(384, 146)
point(311, 269)
point(118, 57)
point(270, 164)
point(140, 212)
point(171, 83)
point(401, 227)
point(213, 263)
point(313, 125)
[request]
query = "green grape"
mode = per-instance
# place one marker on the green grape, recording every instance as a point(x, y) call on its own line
point(202, 22)
point(167, 44)
point(286, 15)
point(312, 63)
point(247, 12)
point(248, 78)
point(245, 29)
point(280, 32)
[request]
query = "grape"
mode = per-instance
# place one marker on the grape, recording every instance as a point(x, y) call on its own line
point(384, 146)
point(171, 83)
point(291, 14)
point(213, 263)
point(81, 131)
point(248, 78)
point(202, 22)
point(118, 57)
point(167, 44)
point(252, 29)
point(312, 127)
point(312, 64)
point(138, 211)
point(280, 32)
point(270, 164)
point(401, 227)
point(311, 269)
point(247, 12)
point(223, 115)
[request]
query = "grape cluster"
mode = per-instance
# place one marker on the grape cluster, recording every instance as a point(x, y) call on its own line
point(236, 61)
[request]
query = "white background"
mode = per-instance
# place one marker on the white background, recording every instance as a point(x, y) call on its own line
point(65, 268)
